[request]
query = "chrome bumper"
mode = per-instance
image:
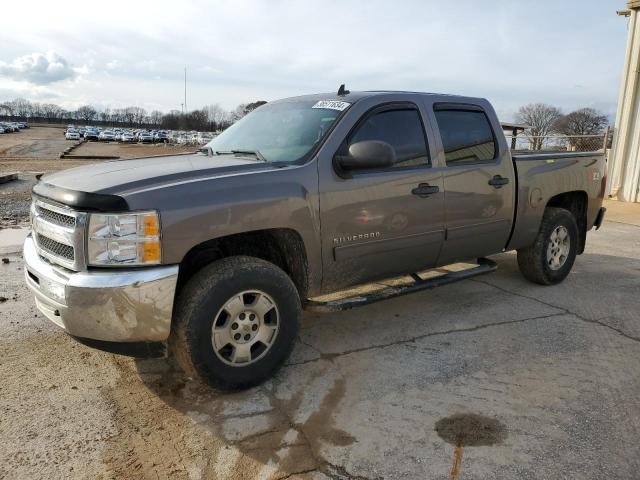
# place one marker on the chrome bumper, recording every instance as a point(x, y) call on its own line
point(131, 305)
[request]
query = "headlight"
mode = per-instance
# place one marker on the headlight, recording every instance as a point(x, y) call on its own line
point(124, 239)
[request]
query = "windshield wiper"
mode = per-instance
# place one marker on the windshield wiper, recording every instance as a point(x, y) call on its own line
point(255, 153)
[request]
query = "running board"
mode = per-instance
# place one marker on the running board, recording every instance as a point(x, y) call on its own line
point(484, 266)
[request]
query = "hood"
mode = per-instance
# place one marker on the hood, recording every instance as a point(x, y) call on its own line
point(120, 176)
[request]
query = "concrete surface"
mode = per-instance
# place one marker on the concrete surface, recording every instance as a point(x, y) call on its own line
point(622, 212)
point(493, 378)
point(11, 239)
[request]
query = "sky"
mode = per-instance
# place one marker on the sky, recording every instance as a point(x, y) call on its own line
point(568, 53)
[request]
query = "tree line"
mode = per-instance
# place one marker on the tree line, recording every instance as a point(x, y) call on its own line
point(545, 120)
point(211, 118)
point(542, 120)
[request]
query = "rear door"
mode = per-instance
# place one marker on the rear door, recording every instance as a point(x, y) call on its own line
point(380, 223)
point(478, 181)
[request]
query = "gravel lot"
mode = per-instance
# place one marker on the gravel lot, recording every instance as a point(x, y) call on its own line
point(15, 199)
point(500, 377)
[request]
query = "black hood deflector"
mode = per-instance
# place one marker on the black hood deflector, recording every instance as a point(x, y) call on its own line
point(81, 200)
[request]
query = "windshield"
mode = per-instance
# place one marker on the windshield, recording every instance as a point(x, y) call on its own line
point(280, 132)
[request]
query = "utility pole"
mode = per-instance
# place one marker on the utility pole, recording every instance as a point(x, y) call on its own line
point(185, 89)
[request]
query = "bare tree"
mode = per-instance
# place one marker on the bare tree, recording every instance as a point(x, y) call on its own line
point(212, 117)
point(7, 108)
point(155, 117)
point(217, 116)
point(119, 115)
point(139, 115)
point(51, 111)
point(196, 120)
point(105, 115)
point(36, 110)
point(86, 113)
point(541, 120)
point(21, 107)
point(129, 114)
point(585, 121)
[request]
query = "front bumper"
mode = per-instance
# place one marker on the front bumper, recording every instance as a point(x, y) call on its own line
point(132, 305)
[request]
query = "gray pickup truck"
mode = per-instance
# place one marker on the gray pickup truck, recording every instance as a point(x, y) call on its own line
point(211, 256)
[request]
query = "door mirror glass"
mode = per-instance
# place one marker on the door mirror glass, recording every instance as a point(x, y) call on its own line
point(368, 155)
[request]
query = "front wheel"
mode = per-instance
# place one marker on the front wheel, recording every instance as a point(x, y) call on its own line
point(550, 259)
point(235, 322)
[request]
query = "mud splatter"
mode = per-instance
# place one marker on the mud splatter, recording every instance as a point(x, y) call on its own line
point(320, 424)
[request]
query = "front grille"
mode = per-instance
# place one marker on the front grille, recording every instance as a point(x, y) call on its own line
point(55, 248)
point(56, 217)
point(59, 234)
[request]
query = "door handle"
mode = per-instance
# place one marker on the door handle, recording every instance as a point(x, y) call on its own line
point(424, 190)
point(497, 181)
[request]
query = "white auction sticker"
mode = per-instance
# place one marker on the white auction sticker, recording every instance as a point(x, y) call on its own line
point(332, 105)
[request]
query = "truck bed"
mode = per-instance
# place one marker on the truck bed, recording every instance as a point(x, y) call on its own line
point(543, 176)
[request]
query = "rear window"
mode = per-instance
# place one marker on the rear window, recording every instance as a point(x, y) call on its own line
point(467, 137)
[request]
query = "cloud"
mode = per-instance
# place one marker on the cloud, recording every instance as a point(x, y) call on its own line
point(113, 64)
point(246, 50)
point(38, 68)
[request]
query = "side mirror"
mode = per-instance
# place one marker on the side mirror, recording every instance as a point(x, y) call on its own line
point(367, 155)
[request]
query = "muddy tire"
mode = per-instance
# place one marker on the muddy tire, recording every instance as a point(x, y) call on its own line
point(235, 322)
point(550, 259)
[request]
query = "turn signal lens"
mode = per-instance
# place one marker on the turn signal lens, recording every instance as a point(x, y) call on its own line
point(151, 251)
point(150, 225)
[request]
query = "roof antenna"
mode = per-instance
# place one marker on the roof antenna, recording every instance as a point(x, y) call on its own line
point(343, 91)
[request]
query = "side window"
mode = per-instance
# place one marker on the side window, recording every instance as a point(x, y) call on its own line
point(402, 129)
point(467, 137)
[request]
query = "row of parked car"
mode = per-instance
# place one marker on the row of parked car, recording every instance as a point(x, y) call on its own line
point(137, 135)
point(115, 135)
point(10, 127)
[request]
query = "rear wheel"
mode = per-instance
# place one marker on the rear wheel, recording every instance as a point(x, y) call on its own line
point(550, 259)
point(235, 322)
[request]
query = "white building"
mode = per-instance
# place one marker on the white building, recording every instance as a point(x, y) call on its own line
point(624, 162)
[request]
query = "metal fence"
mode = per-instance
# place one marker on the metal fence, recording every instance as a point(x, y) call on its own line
point(559, 143)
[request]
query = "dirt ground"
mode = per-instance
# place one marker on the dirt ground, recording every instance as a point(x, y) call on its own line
point(135, 150)
point(489, 378)
point(37, 150)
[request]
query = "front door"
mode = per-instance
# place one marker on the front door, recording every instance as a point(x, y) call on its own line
point(383, 223)
point(479, 185)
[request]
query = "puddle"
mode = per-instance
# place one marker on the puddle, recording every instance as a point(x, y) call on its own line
point(469, 430)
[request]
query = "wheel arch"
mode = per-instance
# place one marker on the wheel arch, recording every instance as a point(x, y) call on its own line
point(576, 202)
point(283, 247)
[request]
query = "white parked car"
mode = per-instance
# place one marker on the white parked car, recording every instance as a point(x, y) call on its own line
point(106, 136)
point(145, 137)
point(72, 135)
point(128, 137)
point(203, 138)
